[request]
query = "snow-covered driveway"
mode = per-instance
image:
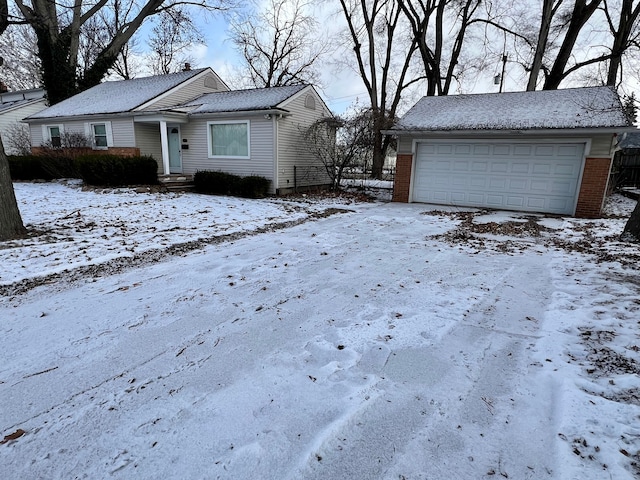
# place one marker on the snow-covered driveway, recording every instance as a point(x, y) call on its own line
point(364, 345)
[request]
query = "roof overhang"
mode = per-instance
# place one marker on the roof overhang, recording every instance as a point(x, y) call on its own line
point(243, 113)
point(157, 117)
point(547, 132)
point(73, 118)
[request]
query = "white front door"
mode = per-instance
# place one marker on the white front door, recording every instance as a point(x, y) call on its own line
point(536, 177)
point(175, 161)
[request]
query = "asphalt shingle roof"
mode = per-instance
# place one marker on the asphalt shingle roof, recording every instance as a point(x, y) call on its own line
point(588, 107)
point(243, 100)
point(117, 96)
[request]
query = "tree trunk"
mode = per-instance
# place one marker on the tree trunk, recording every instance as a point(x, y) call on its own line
point(621, 38)
point(631, 231)
point(582, 12)
point(11, 225)
point(543, 37)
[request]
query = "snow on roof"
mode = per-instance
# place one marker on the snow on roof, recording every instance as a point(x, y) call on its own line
point(589, 107)
point(11, 100)
point(6, 106)
point(117, 96)
point(243, 100)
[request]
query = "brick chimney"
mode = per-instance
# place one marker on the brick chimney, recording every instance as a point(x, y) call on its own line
point(187, 67)
point(3, 87)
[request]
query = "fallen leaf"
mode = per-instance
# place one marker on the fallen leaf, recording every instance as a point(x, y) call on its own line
point(12, 436)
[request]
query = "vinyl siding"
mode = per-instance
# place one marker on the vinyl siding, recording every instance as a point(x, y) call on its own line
point(188, 92)
point(123, 132)
point(261, 149)
point(148, 141)
point(13, 117)
point(292, 153)
point(121, 128)
point(601, 146)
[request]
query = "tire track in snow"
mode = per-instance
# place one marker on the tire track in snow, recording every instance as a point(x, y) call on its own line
point(155, 255)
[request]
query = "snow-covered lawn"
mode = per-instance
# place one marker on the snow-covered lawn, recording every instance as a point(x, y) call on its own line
point(187, 336)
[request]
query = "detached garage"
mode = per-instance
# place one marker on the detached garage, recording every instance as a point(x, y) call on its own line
point(544, 151)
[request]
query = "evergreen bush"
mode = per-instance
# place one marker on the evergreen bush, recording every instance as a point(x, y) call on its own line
point(253, 186)
point(41, 167)
point(222, 183)
point(114, 170)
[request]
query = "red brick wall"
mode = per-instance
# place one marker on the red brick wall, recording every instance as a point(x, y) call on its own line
point(124, 151)
point(402, 179)
point(74, 152)
point(593, 187)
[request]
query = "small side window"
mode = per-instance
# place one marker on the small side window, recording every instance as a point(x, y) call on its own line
point(54, 136)
point(100, 135)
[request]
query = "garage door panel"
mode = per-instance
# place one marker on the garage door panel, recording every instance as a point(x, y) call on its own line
point(498, 183)
point(479, 167)
point(520, 168)
point(499, 167)
point(517, 184)
point(515, 202)
point(531, 177)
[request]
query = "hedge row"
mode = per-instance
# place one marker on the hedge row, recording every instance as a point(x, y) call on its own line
point(98, 170)
point(221, 183)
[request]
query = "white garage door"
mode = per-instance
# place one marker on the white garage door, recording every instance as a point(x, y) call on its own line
point(536, 177)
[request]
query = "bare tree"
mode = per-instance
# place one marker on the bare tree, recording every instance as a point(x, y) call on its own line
point(278, 44)
point(575, 19)
point(625, 35)
point(549, 9)
point(383, 57)
point(171, 38)
point(59, 25)
point(18, 139)
point(11, 225)
point(440, 27)
point(341, 143)
point(21, 67)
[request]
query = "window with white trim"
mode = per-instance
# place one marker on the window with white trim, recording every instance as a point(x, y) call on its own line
point(52, 134)
point(100, 134)
point(229, 139)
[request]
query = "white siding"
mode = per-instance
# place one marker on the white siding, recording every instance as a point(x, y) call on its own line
point(601, 146)
point(148, 141)
point(261, 151)
point(35, 131)
point(292, 153)
point(13, 117)
point(123, 132)
point(190, 91)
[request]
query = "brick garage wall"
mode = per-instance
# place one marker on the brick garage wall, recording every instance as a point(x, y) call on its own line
point(593, 187)
point(402, 179)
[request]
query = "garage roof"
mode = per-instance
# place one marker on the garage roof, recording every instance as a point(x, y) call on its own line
point(574, 108)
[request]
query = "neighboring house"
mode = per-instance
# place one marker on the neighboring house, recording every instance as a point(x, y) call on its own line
point(627, 161)
point(190, 121)
point(544, 151)
point(14, 106)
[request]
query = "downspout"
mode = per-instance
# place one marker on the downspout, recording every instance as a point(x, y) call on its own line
point(274, 119)
point(164, 143)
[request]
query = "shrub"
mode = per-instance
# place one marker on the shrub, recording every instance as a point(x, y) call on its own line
point(222, 183)
point(253, 186)
point(216, 183)
point(113, 170)
point(41, 167)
